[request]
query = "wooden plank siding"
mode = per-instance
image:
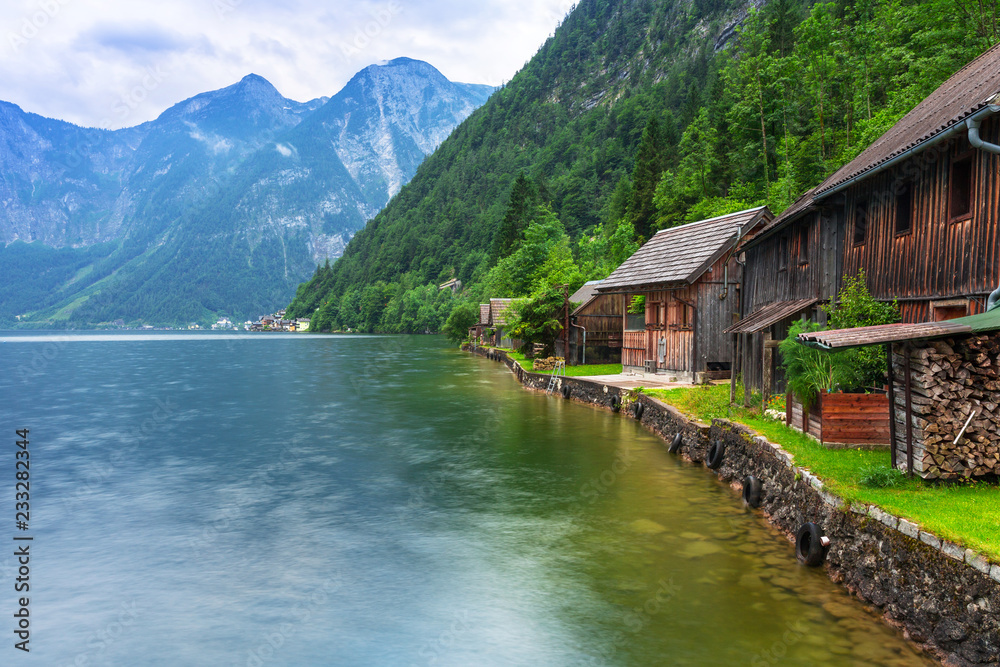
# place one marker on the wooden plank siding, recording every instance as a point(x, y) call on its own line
point(938, 258)
point(847, 419)
point(690, 320)
point(937, 263)
point(801, 262)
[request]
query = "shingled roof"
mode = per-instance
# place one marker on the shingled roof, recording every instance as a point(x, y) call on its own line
point(498, 311)
point(484, 314)
point(970, 89)
point(680, 255)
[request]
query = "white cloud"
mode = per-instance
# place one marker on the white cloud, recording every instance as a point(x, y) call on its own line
point(116, 63)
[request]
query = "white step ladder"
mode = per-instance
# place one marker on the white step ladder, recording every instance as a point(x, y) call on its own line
point(559, 370)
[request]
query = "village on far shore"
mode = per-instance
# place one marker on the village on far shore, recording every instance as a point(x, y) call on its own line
point(276, 322)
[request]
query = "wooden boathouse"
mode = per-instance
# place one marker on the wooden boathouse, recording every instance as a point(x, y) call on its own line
point(689, 280)
point(595, 326)
point(918, 211)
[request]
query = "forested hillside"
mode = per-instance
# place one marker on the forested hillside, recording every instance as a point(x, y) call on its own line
point(635, 116)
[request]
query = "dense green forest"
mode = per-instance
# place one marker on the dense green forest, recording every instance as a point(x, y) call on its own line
point(636, 116)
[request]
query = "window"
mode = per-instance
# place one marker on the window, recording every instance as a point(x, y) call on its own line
point(960, 190)
point(783, 252)
point(904, 209)
point(803, 243)
point(949, 310)
point(860, 223)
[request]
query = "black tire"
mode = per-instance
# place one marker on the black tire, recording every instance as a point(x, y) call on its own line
point(752, 491)
point(809, 549)
point(637, 409)
point(566, 390)
point(676, 443)
point(616, 403)
point(716, 455)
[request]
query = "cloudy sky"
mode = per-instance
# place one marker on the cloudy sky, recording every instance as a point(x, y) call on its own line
point(117, 63)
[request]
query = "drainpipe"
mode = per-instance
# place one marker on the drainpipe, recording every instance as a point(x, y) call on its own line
point(584, 341)
point(973, 124)
point(994, 300)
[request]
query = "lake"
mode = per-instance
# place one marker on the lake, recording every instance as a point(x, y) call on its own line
point(267, 499)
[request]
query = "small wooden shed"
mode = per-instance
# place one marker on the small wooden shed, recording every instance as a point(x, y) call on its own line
point(596, 326)
point(944, 386)
point(498, 322)
point(690, 281)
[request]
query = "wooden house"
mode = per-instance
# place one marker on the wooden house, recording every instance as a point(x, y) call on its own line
point(918, 211)
point(476, 330)
point(498, 322)
point(595, 326)
point(689, 279)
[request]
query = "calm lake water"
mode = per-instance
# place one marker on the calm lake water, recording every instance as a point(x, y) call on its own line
point(301, 500)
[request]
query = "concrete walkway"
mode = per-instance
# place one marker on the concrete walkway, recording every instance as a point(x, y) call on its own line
point(633, 380)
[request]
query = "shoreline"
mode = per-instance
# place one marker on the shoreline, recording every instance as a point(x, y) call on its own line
point(943, 597)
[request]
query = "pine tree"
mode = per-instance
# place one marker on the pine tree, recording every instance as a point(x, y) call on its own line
point(520, 211)
point(649, 165)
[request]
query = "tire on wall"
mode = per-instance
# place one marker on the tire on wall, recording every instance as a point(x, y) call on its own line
point(809, 547)
point(637, 409)
point(616, 403)
point(752, 491)
point(716, 455)
point(675, 444)
point(566, 391)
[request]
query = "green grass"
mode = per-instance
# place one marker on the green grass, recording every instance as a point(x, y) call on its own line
point(967, 513)
point(571, 371)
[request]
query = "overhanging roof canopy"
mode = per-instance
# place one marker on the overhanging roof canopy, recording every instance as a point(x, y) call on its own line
point(841, 339)
point(768, 315)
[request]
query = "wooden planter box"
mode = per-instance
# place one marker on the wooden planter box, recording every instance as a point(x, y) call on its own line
point(844, 419)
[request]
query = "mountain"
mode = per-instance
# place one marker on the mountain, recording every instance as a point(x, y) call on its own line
point(635, 116)
point(380, 127)
point(219, 206)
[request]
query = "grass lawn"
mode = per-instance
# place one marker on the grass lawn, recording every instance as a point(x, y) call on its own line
point(571, 371)
point(967, 513)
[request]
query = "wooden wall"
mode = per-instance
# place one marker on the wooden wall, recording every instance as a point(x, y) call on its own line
point(689, 330)
point(938, 258)
point(803, 261)
point(602, 318)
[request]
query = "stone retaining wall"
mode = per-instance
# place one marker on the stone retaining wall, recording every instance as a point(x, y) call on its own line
point(944, 597)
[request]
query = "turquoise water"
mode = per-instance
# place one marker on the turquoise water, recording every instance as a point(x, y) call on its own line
point(300, 500)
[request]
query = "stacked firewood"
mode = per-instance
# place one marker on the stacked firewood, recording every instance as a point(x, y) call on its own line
point(547, 364)
point(951, 380)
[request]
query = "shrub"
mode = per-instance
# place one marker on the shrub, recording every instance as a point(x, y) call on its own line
point(856, 307)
